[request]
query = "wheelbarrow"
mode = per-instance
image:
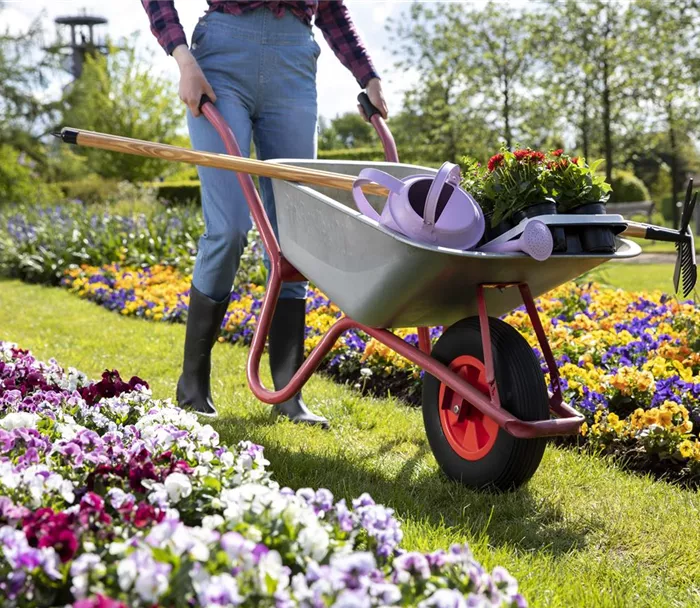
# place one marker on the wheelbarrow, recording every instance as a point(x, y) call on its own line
point(487, 410)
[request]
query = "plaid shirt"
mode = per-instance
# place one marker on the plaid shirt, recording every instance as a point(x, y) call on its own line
point(332, 18)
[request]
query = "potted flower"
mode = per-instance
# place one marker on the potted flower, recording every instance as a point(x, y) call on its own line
point(516, 185)
point(578, 189)
point(473, 181)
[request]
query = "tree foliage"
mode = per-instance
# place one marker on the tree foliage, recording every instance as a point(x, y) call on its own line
point(119, 94)
point(25, 113)
point(612, 80)
point(347, 130)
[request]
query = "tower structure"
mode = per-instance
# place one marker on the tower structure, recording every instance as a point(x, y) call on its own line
point(83, 41)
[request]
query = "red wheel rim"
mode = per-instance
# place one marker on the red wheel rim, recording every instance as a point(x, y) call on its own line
point(469, 433)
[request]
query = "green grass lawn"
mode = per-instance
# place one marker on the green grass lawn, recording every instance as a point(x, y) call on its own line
point(655, 246)
point(582, 533)
point(635, 277)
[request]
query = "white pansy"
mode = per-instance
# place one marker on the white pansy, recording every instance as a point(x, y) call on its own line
point(151, 585)
point(178, 486)
point(314, 542)
point(270, 565)
point(211, 522)
point(126, 573)
point(19, 420)
point(80, 570)
point(8, 477)
point(67, 493)
point(79, 588)
point(200, 471)
point(227, 459)
point(117, 497)
point(157, 494)
point(300, 588)
point(68, 431)
point(117, 548)
point(255, 534)
point(233, 513)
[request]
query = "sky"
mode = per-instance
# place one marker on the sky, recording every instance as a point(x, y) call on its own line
point(337, 89)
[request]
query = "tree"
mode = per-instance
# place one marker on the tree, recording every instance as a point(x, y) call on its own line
point(568, 78)
point(591, 59)
point(669, 67)
point(347, 130)
point(445, 101)
point(498, 44)
point(25, 114)
point(119, 94)
point(475, 70)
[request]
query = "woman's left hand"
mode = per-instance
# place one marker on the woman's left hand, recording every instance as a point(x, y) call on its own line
point(376, 96)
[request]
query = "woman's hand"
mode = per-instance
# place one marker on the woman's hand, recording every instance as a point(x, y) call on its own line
point(376, 96)
point(193, 83)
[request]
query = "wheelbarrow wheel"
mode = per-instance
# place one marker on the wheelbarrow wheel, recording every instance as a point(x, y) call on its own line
point(470, 447)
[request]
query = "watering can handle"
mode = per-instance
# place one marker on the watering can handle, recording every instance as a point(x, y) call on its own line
point(448, 173)
point(378, 177)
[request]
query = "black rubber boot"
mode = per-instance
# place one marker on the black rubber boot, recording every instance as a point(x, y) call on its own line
point(204, 319)
point(286, 351)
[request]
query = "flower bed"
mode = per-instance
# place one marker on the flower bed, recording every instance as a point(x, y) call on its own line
point(162, 293)
point(628, 361)
point(110, 498)
point(38, 244)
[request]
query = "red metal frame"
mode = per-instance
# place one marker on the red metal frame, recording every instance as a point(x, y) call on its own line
point(281, 270)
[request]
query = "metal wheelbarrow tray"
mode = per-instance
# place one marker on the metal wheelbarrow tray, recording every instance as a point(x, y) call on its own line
point(381, 279)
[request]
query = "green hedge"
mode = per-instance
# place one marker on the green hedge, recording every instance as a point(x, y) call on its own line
point(628, 188)
point(90, 190)
point(178, 193)
point(420, 155)
point(369, 154)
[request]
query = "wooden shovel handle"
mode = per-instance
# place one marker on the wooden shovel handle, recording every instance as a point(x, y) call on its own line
point(138, 147)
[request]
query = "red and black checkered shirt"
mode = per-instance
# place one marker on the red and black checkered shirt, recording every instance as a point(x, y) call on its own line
point(332, 18)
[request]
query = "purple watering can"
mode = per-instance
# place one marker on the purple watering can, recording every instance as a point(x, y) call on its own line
point(432, 209)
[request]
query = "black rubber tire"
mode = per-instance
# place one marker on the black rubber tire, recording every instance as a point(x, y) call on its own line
point(522, 389)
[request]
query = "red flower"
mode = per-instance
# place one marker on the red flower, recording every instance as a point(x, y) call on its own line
point(111, 385)
point(44, 528)
point(63, 541)
point(99, 601)
point(147, 514)
point(558, 152)
point(529, 156)
point(574, 160)
point(36, 524)
point(139, 473)
point(180, 466)
point(495, 161)
point(92, 507)
point(562, 163)
point(101, 475)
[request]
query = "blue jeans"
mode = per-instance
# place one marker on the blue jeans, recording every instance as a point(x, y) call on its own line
point(263, 71)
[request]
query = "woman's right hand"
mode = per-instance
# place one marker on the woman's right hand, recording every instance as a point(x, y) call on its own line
point(193, 83)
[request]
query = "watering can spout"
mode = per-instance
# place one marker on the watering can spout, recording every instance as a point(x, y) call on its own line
point(535, 240)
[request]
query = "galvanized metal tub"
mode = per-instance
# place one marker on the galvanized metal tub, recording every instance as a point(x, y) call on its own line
point(381, 279)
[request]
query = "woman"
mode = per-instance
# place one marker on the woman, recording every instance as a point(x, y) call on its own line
point(257, 61)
